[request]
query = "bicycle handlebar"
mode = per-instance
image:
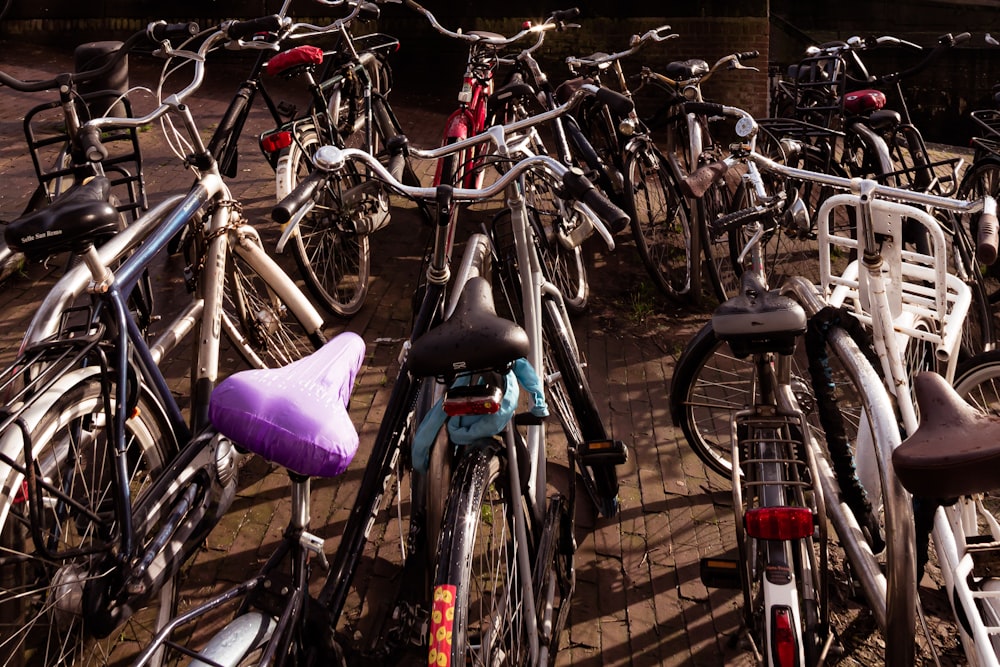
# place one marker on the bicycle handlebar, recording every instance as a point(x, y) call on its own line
point(553, 22)
point(856, 45)
point(660, 34)
point(157, 32)
point(576, 186)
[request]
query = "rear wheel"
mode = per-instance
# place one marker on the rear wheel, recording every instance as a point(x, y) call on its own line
point(476, 614)
point(54, 545)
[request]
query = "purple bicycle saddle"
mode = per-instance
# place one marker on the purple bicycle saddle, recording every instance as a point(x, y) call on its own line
point(295, 416)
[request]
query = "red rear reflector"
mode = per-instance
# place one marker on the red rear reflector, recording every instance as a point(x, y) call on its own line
point(273, 143)
point(783, 634)
point(22, 495)
point(779, 523)
point(471, 406)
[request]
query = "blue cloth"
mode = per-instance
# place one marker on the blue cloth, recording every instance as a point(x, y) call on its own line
point(467, 429)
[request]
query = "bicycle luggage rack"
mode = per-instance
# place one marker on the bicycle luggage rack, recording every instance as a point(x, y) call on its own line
point(926, 301)
point(49, 145)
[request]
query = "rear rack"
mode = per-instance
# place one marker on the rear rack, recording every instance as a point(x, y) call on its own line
point(49, 145)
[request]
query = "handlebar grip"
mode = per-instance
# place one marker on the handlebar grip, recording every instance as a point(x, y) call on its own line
point(297, 198)
point(707, 108)
point(162, 30)
point(579, 187)
point(90, 142)
point(242, 29)
point(988, 235)
point(748, 55)
point(617, 102)
point(397, 147)
point(565, 14)
point(737, 219)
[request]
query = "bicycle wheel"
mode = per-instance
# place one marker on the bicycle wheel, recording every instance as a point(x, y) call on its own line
point(269, 333)
point(710, 385)
point(331, 252)
point(553, 222)
point(49, 615)
point(982, 178)
point(476, 617)
point(781, 612)
point(567, 389)
point(661, 224)
point(573, 402)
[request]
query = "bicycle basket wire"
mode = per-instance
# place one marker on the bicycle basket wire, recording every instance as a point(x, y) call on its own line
point(919, 286)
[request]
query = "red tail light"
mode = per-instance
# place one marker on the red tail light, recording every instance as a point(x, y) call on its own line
point(783, 645)
point(779, 523)
point(272, 143)
point(474, 400)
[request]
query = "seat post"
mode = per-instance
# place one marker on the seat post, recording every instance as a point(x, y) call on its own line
point(299, 520)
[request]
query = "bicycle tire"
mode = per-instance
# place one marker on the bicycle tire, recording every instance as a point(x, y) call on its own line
point(477, 589)
point(567, 390)
point(564, 266)
point(269, 332)
point(662, 224)
point(573, 402)
point(553, 220)
point(982, 178)
point(68, 432)
point(710, 384)
point(331, 253)
point(771, 480)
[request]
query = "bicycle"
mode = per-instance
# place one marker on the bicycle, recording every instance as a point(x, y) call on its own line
point(471, 339)
point(348, 106)
point(913, 327)
point(106, 488)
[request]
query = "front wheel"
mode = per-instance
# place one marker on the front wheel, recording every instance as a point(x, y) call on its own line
point(57, 539)
point(331, 252)
point(661, 225)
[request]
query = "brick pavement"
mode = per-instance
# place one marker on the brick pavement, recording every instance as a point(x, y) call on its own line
point(639, 599)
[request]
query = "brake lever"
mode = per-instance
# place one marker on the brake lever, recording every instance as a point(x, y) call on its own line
point(166, 50)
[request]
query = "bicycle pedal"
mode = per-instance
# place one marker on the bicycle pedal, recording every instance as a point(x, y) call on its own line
point(602, 452)
point(720, 573)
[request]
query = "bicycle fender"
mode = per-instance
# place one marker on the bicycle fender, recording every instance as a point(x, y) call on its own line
point(12, 440)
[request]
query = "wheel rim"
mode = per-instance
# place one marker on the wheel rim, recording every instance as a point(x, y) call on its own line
point(43, 599)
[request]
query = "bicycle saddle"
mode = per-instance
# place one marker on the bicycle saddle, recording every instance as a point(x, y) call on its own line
point(759, 320)
point(72, 222)
point(956, 449)
point(304, 56)
point(474, 338)
point(680, 70)
point(296, 415)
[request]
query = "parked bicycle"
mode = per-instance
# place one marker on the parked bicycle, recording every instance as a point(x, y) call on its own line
point(106, 489)
point(514, 607)
point(348, 107)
